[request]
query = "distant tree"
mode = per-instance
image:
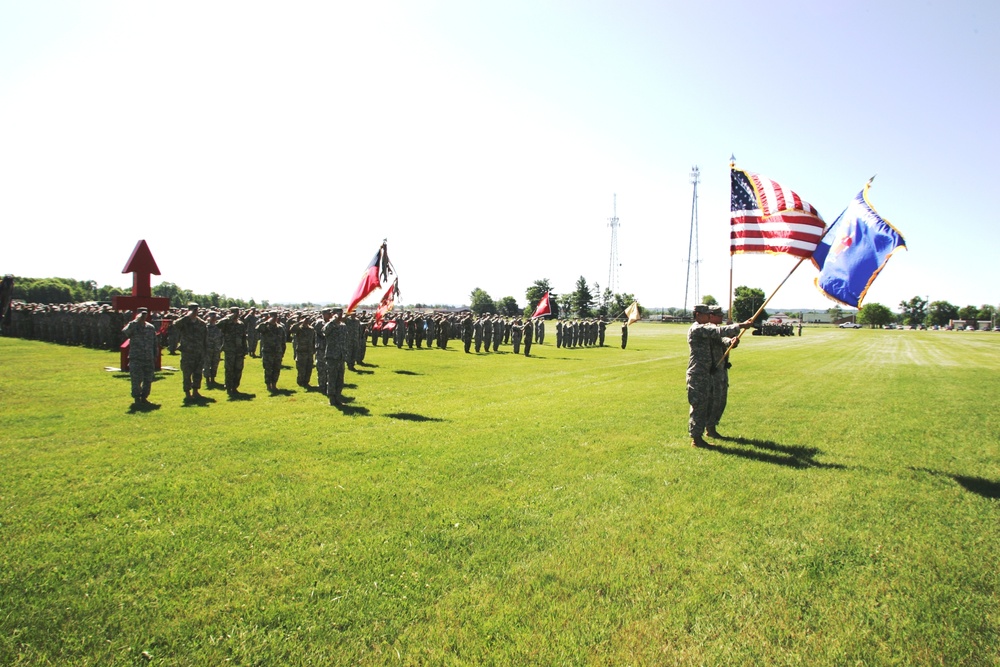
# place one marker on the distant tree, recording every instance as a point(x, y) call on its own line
point(940, 312)
point(968, 313)
point(535, 293)
point(618, 303)
point(835, 313)
point(746, 301)
point(987, 312)
point(507, 306)
point(914, 311)
point(582, 299)
point(46, 290)
point(565, 305)
point(605, 303)
point(481, 302)
point(710, 300)
point(875, 315)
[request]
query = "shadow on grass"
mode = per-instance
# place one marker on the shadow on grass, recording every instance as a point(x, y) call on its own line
point(240, 396)
point(361, 372)
point(283, 392)
point(405, 373)
point(136, 408)
point(412, 417)
point(348, 407)
point(197, 401)
point(791, 456)
point(979, 485)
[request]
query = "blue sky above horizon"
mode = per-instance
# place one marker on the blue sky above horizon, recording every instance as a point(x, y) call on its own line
point(265, 151)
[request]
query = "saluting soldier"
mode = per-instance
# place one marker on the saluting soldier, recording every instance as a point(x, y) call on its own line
point(141, 355)
point(235, 346)
point(271, 334)
point(720, 373)
point(304, 346)
point(191, 330)
point(334, 332)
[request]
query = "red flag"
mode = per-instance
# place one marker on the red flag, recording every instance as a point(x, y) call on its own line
point(388, 301)
point(544, 307)
point(369, 281)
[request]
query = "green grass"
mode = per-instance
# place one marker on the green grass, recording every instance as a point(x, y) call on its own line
point(498, 510)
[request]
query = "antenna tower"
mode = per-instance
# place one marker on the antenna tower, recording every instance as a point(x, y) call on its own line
point(614, 281)
point(693, 241)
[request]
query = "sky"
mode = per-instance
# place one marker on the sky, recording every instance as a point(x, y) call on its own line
point(265, 150)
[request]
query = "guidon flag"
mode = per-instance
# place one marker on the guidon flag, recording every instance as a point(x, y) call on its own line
point(854, 251)
point(544, 307)
point(632, 312)
point(768, 217)
point(387, 302)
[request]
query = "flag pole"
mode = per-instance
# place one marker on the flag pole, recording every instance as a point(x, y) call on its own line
point(732, 166)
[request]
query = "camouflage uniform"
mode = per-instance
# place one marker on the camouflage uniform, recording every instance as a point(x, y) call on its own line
point(191, 331)
point(322, 370)
point(515, 337)
point(353, 333)
point(335, 333)
point(234, 344)
point(528, 336)
point(141, 357)
point(304, 346)
point(699, 373)
point(467, 333)
point(213, 350)
point(272, 347)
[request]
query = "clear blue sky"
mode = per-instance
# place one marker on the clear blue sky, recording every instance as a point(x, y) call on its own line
point(264, 150)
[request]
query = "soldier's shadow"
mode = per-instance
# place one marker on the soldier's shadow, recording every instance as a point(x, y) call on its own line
point(283, 392)
point(767, 451)
point(349, 407)
point(981, 486)
point(136, 408)
point(413, 417)
point(240, 396)
point(197, 401)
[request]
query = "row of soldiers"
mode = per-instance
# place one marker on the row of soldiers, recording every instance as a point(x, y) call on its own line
point(89, 325)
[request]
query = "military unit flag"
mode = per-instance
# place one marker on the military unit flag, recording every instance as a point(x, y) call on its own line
point(632, 312)
point(544, 307)
point(370, 280)
point(767, 217)
point(854, 250)
point(387, 302)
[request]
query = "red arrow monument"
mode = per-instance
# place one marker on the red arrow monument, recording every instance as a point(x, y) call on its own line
point(141, 265)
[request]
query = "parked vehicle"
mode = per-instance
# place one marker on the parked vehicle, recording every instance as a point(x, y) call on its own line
point(849, 325)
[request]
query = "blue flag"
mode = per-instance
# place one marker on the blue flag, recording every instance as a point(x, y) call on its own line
point(853, 251)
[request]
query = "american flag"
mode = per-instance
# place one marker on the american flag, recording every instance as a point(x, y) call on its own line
point(767, 217)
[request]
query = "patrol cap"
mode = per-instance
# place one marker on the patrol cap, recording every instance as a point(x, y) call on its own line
point(715, 310)
point(272, 313)
point(142, 309)
point(701, 308)
point(192, 305)
point(234, 309)
point(326, 311)
point(336, 311)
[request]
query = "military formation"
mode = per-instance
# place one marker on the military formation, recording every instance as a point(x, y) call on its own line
point(328, 342)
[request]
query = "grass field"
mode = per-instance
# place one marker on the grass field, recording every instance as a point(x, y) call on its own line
point(503, 510)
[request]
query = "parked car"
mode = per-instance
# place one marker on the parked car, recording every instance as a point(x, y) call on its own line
point(849, 325)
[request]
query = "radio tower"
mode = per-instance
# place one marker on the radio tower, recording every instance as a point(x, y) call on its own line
point(614, 281)
point(693, 240)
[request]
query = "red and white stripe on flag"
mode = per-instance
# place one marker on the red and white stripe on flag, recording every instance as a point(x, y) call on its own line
point(767, 217)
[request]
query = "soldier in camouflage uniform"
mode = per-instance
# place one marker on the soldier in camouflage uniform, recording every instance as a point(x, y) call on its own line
point(304, 346)
point(213, 349)
point(272, 348)
point(191, 331)
point(699, 373)
point(322, 370)
point(720, 376)
point(529, 335)
point(353, 333)
point(335, 333)
point(235, 345)
point(516, 330)
point(467, 333)
point(141, 355)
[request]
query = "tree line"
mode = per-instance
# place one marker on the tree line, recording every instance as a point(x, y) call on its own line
point(586, 301)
